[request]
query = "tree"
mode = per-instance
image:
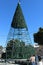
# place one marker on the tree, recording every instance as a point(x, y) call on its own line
point(38, 37)
point(18, 49)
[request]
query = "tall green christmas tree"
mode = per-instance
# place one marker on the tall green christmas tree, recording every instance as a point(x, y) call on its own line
point(18, 40)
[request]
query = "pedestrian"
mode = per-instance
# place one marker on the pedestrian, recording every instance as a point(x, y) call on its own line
point(32, 59)
point(40, 61)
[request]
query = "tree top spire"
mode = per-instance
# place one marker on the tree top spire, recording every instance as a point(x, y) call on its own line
point(19, 1)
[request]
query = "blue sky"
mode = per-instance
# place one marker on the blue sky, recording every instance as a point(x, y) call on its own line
point(33, 13)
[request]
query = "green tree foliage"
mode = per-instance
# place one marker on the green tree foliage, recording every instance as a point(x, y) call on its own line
point(18, 19)
point(38, 37)
point(18, 49)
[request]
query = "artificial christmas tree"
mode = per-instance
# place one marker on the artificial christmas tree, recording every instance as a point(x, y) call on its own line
point(18, 40)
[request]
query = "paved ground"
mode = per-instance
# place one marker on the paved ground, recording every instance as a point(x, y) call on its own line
point(7, 64)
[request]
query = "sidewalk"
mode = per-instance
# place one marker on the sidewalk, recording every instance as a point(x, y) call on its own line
point(7, 64)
